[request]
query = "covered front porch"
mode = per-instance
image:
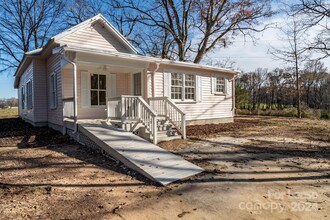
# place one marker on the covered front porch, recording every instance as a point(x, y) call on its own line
point(120, 92)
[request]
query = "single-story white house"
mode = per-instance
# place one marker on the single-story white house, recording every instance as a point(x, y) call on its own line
point(91, 71)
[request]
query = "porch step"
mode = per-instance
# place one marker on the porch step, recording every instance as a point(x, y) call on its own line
point(137, 153)
point(165, 130)
point(167, 136)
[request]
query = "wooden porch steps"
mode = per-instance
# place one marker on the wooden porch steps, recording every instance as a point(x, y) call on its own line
point(137, 153)
point(163, 130)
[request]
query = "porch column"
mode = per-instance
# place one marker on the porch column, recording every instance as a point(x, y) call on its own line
point(153, 79)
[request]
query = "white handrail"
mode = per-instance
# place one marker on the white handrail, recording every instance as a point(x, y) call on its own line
point(133, 108)
point(167, 108)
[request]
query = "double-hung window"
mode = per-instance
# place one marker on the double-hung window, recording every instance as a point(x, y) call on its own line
point(176, 85)
point(52, 92)
point(220, 85)
point(29, 104)
point(183, 86)
point(98, 89)
point(22, 97)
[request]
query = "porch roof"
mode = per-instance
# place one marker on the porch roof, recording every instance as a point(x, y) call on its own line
point(140, 58)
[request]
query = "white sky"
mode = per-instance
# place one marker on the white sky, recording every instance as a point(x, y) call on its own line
point(249, 56)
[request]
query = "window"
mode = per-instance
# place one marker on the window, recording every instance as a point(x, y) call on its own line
point(183, 86)
point(176, 85)
point(98, 89)
point(220, 85)
point(22, 97)
point(137, 84)
point(189, 90)
point(29, 104)
point(53, 91)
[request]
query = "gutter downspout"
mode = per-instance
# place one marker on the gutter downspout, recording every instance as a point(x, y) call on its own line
point(233, 95)
point(74, 72)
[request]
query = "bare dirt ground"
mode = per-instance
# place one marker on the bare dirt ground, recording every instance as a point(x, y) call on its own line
point(255, 168)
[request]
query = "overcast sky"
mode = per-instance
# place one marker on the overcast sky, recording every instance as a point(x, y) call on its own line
point(246, 54)
point(249, 55)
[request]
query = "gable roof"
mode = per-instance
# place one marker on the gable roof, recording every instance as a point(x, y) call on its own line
point(40, 52)
point(106, 25)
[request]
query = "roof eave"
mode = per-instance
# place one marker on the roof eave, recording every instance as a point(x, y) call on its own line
point(148, 59)
point(28, 58)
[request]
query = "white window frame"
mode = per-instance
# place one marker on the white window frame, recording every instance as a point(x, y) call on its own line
point(98, 90)
point(53, 90)
point(183, 87)
point(132, 82)
point(29, 95)
point(215, 85)
point(23, 97)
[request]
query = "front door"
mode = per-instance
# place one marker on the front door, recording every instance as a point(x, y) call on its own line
point(137, 84)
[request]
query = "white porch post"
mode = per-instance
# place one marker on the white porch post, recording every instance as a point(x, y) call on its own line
point(153, 80)
point(75, 97)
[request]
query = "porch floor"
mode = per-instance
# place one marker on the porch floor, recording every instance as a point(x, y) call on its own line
point(137, 153)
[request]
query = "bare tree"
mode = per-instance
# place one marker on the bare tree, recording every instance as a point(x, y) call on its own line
point(318, 14)
point(294, 53)
point(195, 27)
point(25, 25)
point(313, 76)
point(78, 11)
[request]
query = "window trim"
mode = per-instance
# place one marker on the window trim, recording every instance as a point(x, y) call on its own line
point(142, 82)
point(98, 90)
point(53, 91)
point(215, 92)
point(29, 94)
point(23, 101)
point(183, 93)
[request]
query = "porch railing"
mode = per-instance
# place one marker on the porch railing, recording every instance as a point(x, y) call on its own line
point(68, 107)
point(133, 108)
point(114, 108)
point(167, 108)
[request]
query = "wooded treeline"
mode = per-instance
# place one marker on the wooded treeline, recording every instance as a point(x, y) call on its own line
point(9, 102)
point(275, 89)
point(305, 82)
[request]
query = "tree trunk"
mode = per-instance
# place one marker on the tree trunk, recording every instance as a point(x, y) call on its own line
point(298, 89)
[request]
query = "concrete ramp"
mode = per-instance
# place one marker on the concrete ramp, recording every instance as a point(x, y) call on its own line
point(138, 154)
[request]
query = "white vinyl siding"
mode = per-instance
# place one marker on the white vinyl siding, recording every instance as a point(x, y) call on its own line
point(85, 89)
point(53, 90)
point(40, 91)
point(94, 36)
point(53, 65)
point(207, 105)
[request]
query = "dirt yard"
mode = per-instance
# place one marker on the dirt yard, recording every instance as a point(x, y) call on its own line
point(255, 168)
